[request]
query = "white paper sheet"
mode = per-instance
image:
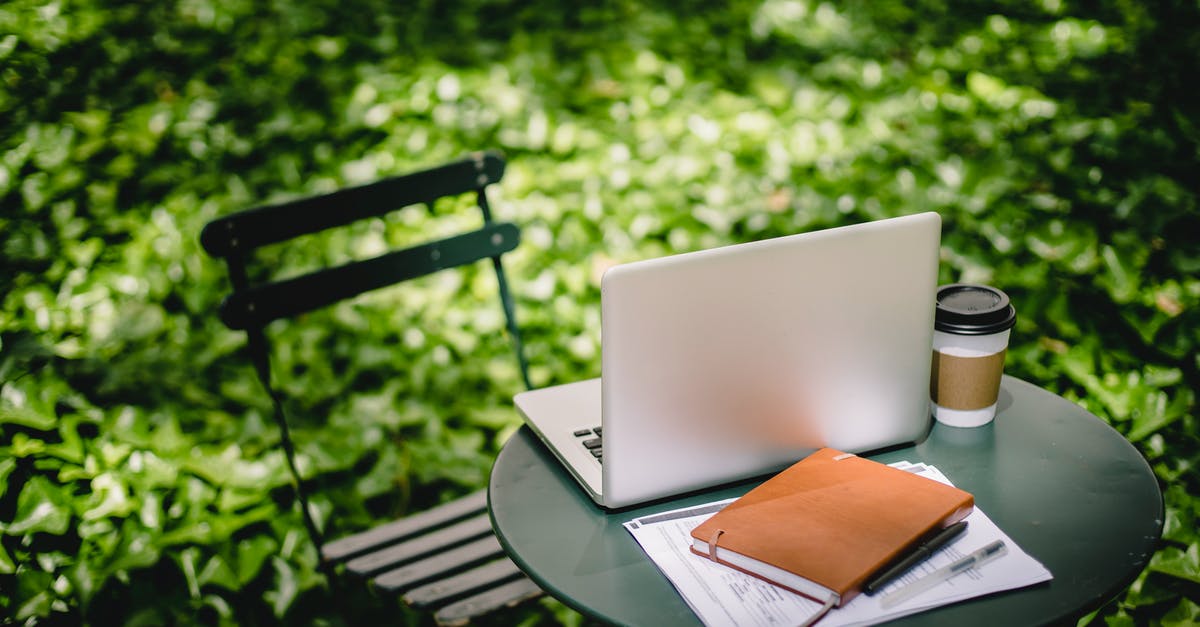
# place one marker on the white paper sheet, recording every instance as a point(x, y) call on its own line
point(723, 596)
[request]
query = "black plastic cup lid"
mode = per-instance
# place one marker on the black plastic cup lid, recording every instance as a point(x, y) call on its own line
point(965, 309)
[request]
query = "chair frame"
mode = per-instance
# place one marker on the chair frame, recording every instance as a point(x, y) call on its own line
point(397, 554)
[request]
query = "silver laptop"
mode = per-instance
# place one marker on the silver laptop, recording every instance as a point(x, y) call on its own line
point(730, 363)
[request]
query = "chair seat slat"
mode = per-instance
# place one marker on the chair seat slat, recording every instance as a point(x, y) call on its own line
point(404, 528)
point(461, 612)
point(442, 591)
point(421, 546)
point(445, 563)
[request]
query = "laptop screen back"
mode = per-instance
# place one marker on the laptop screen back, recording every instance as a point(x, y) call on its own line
point(733, 362)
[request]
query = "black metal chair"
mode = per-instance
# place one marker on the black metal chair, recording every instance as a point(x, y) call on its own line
point(446, 559)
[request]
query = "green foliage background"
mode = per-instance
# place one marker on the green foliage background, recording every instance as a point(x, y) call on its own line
point(141, 476)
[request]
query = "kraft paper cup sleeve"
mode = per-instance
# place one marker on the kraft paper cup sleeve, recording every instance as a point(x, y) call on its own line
point(966, 383)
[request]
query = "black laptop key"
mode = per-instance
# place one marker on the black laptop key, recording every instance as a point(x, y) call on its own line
point(595, 445)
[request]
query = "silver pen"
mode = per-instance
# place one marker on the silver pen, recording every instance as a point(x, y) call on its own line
point(932, 580)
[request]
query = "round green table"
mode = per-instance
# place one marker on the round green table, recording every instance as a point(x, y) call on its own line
point(1065, 486)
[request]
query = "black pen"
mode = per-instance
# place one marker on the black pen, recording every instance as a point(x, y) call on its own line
point(919, 555)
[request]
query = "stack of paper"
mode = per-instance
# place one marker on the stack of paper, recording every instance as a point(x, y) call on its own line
point(723, 596)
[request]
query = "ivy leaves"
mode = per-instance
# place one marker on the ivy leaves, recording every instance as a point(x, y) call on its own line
point(136, 446)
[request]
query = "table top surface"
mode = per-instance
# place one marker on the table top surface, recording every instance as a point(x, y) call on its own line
point(1065, 486)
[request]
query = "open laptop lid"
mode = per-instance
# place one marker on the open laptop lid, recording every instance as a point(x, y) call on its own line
point(729, 363)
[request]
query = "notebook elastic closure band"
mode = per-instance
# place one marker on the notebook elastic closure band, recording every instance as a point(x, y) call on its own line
point(712, 544)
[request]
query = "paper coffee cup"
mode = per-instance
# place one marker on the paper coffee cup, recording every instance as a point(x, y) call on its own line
point(971, 329)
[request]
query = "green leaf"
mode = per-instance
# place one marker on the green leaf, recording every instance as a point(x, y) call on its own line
point(384, 476)
point(7, 566)
point(26, 417)
point(1185, 614)
point(1122, 272)
point(109, 498)
point(1179, 524)
point(251, 554)
point(1143, 593)
point(1067, 245)
point(7, 464)
point(224, 527)
point(195, 493)
point(217, 572)
point(168, 438)
point(202, 527)
point(1120, 619)
point(71, 447)
point(40, 605)
point(113, 454)
point(492, 417)
point(286, 587)
point(191, 532)
point(221, 607)
point(83, 577)
point(137, 549)
point(228, 467)
point(187, 564)
point(984, 86)
point(150, 512)
point(42, 507)
point(18, 351)
point(236, 499)
point(25, 446)
point(1177, 562)
point(1156, 412)
point(150, 470)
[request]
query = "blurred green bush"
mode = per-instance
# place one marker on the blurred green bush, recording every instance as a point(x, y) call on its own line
point(141, 479)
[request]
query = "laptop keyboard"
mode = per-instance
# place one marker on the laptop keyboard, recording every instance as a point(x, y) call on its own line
point(590, 439)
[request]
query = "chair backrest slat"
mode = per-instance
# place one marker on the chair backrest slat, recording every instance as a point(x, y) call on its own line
point(260, 304)
point(253, 304)
point(243, 232)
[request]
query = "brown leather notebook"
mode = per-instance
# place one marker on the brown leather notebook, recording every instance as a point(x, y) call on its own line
point(824, 525)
